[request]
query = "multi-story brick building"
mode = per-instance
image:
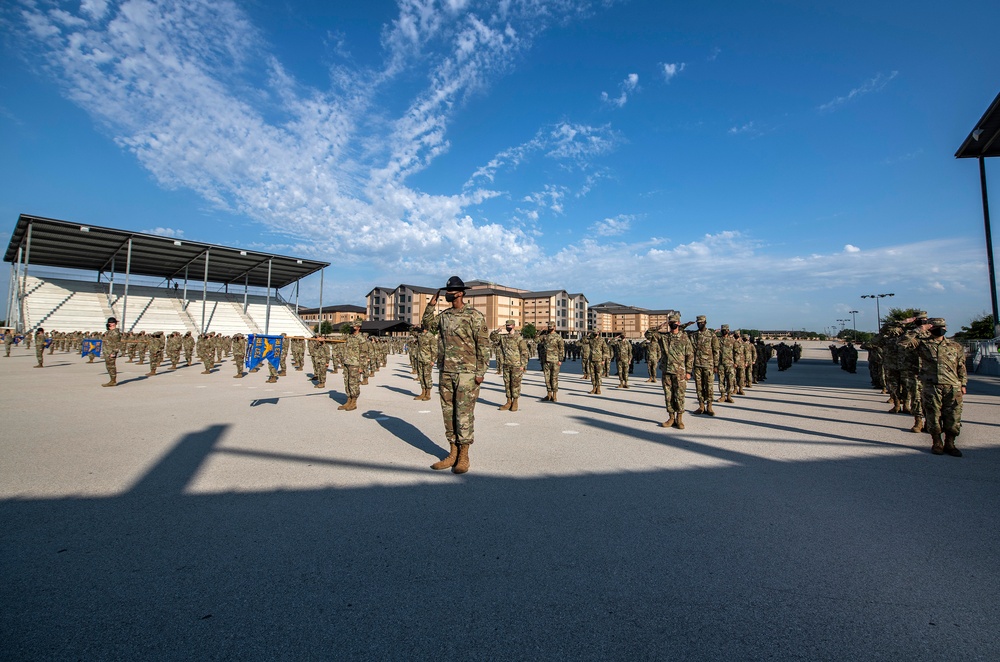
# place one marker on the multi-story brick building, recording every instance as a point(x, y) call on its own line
point(335, 315)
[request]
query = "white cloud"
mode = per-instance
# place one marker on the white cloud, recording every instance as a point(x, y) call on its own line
point(610, 227)
point(851, 249)
point(750, 128)
point(670, 70)
point(625, 88)
point(873, 85)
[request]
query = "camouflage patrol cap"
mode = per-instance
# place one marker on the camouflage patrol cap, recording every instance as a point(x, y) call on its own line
point(701, 318)
point(356, 324)
point(938, 322)
point(510, 323)
point(921, 314)
point(724, 327)
point(674, 318)
point(550, 323)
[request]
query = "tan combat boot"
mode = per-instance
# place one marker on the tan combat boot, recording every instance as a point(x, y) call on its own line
point(111, 383)
point(669, 423)
point(419, 397)
point(700, 409)
point(722, 398)
point(283, 373)
point(895, 406)
point(352, 404)
point(937, 447)
point(679, 423)
point(427, 395)
point(462, 463)
point(729, 399)
point(344, 406)
point(513, 404)
point(598, 391)
point(918, 424)
point(949, 446)
point(505, 406)
point(271, 380)
point(709, 410)
point(364, 382)
point(553, 398)
point(448, 462)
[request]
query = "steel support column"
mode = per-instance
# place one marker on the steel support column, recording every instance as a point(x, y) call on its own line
point(128, 270)
point(204, 292)
point(267, 315)
point(989, 247)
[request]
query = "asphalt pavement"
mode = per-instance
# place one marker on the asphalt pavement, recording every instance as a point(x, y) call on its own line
point(189, 516)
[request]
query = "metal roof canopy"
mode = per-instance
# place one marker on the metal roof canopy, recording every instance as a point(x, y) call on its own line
point(981, 144)
point(56, 243)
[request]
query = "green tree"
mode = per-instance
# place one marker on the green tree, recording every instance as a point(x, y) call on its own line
point(899, 314)
point(529, 331)
point(345, 328)
point(980, 328)
point(323, 329)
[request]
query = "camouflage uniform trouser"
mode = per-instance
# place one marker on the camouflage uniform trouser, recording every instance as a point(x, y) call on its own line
point(621, 367)
point(942, 407)
point(239, 366)
point(586, 367)
point(606, 368)
point(352, 380)
point(892, 383)
point(740, 374)
point(40, 353)
point(298, 358)
point(913, 389)
point(322, 364)
point(188, 355)
point(109, 362)
point(651, 366)
point(704, 378)
point(174, 357)
point(512, 381)
point(673, 392)
point(155, 359)
point(550, 369)
point(596, 369)
point(459, 392)
point(727, 379)
point(425, 373)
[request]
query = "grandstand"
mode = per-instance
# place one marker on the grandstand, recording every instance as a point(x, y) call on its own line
point(64, 304)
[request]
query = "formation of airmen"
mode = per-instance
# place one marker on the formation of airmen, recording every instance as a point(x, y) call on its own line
point(922, 373)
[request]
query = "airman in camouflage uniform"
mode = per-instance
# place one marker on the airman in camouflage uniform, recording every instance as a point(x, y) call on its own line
point(239, 354)
point(727, 365)
point(40, 347)
point(677, 362)
point(322, 363)
point(188, 344)
point(512, 357)
point(553, 355)
point(423, 350)
point(622, 350)
point(741, 363)
point(174, 349)
point(8, 340)
point(706, 364)
point(298, 353)
point(464, 358)
point(944, 379)
point(585, 356)
point(110, 346)
point(352, 366)
point(155, 352)
point(652, 356)
point(598, 348)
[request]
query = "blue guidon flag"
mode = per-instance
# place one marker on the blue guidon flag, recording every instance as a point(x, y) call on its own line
point(263, 348)
point(91, 347)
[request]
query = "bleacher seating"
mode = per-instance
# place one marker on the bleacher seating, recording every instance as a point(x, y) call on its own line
point(68, 305)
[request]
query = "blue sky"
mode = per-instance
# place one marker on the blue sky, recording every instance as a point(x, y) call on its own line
point(763, 163)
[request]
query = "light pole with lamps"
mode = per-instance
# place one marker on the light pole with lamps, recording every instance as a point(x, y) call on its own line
point(854, 322)
point(878, 313)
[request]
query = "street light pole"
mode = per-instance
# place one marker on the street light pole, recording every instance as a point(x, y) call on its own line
point(854, 322)
point(878, 313)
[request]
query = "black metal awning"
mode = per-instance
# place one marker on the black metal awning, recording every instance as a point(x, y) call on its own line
point(56, 243)
point(984, 139)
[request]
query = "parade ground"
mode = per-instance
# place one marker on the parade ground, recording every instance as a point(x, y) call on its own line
point(200, 517)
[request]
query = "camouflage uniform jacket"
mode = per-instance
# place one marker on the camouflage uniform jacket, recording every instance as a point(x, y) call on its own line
point(155, 343)
point(512, 350)
point(463, 339)
point(426, 347)
point(706, 348)
point(352, 349)
point(112, 343)
point(727, 351)
point(676, 353)
point(942, 362)
point(555, 348)
point(623, 351)
point(598, 349)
